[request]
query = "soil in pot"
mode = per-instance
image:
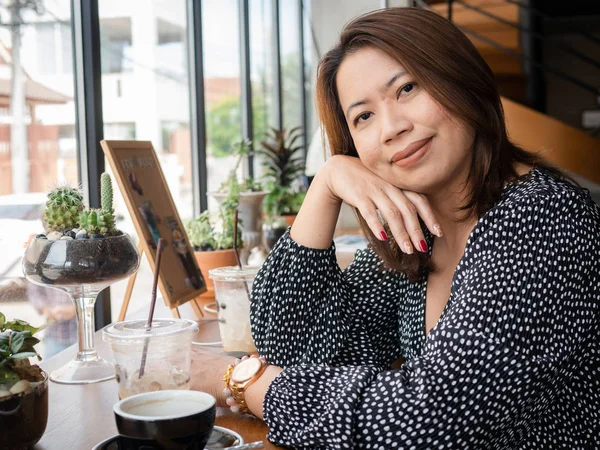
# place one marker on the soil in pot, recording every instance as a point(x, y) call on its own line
point(90, 261)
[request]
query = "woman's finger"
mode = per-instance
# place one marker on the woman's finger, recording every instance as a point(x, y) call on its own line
point(425, 212)
point(410, 218)
point(392, 215)
point(368, 211)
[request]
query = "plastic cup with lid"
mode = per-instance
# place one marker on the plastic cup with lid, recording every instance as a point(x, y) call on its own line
point(233, 287)
point(168, 354)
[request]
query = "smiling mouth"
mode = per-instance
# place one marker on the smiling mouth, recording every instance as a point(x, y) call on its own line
point(411, 149)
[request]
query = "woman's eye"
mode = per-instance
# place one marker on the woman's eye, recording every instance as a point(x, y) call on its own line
point(408, 87)
point(362, 117)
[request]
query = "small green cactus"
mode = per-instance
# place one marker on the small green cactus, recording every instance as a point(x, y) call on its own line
point(106, 193)
point(63, 207)
point(96, 221)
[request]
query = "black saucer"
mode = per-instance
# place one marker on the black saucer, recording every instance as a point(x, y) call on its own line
point(219, 439)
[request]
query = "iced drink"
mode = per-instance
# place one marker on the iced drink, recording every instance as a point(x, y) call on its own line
point(168, 355)
point(232, 294)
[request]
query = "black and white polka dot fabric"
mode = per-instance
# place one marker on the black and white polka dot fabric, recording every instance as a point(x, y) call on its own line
point(513, 362)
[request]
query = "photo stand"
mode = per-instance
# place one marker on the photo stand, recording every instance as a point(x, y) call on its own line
point(140, 178)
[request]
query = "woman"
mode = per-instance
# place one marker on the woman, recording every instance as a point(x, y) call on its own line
point(485, 280)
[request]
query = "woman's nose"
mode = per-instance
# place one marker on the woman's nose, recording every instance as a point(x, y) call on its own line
point(393, 124)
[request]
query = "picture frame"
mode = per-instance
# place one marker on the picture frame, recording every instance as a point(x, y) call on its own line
point(140, 178)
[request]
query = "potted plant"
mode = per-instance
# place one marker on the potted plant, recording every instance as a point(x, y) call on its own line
point(283, 164)
point(213, 239)
point(81, 254)
point(23, 387)
point(249, 193)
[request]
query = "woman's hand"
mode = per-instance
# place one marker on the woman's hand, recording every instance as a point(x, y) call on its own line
point(206, 373)
point(351, 182)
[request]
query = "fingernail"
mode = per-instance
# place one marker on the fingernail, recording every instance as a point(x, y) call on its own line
point(408, 247)
point(438, 230)
point(423, 245)
point(383, 235)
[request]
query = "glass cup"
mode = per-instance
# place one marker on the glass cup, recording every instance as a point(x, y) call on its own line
point(232, 294)
point(168, 349)
point(81, 268)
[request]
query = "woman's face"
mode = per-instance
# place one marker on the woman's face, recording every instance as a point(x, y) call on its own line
point(401, 133)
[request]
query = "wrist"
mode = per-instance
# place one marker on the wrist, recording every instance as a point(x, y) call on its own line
point(239, 377)
point(323, 182)
point(255, 394)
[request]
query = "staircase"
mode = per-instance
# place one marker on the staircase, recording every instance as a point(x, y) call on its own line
point(507, 34)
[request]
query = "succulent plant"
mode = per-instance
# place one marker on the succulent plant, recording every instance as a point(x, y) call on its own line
point(16, 347)
point(63, 207)
point(96, 221)
point(106, 193)
point(206, 236)
point(101, 221)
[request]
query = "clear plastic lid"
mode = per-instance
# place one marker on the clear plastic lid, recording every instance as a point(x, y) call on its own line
point(136, 329)
point(233, 273)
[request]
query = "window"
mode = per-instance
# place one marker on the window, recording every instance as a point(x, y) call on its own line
point(115, 35)
point(145, 96)
point(220, 27)
point(37, 149)
point(289, 31)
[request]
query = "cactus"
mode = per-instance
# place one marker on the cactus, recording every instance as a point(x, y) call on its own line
point(96, 221)
point(106, 193)
point(63, 207)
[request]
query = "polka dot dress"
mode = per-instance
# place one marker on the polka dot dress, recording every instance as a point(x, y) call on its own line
point(513, 362)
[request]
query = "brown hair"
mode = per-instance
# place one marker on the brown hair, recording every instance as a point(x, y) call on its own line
point(452, 71)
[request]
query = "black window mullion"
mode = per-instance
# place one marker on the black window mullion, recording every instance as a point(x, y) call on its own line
point(89, 123)
point(197, 107)
point(246, 86)
point(276, 47)
point(303, 107)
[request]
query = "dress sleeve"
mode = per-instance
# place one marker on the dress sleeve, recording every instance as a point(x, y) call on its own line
point(306, 310)
point(520, 328)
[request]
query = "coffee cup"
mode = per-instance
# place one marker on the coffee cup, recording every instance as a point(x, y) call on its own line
point(167, 419)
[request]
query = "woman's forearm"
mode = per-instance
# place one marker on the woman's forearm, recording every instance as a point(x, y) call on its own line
point(315, 224)
point(255, 394)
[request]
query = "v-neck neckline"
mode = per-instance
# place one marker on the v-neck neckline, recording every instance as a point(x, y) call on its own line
point(429, 238)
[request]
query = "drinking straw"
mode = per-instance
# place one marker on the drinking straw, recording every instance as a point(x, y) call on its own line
point(159, 251)
point(235, 250)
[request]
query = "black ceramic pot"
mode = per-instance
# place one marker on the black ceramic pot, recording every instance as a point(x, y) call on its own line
point(272, 235)
point(23, 417)
point(167, 419)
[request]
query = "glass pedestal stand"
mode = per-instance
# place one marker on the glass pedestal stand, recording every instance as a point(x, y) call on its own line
point(82, 268)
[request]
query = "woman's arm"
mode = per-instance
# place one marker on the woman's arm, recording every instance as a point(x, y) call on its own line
point(521, 323)
point(345, 178)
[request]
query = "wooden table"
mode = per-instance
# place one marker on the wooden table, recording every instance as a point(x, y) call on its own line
point(81, 416)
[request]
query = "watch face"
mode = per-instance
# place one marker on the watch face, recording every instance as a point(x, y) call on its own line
point(245, 370)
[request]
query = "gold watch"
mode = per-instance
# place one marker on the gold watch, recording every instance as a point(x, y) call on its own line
point(241, 376)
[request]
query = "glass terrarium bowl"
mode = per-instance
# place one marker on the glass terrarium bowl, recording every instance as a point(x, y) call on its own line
point(81, 268)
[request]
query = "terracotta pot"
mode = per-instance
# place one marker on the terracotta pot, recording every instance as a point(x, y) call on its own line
point(289, 219)
point(212, 260)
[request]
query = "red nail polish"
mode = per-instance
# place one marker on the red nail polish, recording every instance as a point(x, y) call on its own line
point(383, 235)
point(423, 245)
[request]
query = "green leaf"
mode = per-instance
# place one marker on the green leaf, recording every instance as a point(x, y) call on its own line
point(4, 345)
point(17, 340)
point(2, 321)
point(8, 376)
point(22, 355)
point(20, 325)
point(29, 343)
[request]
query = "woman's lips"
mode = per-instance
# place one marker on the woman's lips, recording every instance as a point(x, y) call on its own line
point(414, 156)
